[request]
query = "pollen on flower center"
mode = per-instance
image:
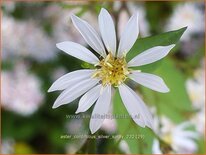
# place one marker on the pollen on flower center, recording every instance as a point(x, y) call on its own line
point(112, 70)
point(168, 138)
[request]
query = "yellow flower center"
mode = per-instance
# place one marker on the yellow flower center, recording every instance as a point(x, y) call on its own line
point(112, 70)
point(168, 138)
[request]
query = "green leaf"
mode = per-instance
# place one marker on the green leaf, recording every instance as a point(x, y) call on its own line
point(130, 131)
point(176, 82)
point(163, 39)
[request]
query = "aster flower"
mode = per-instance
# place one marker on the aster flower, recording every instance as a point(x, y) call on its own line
point(178, 137)
point(199, 121)
point(111, 71)
point(28, 47)
point(21, 98)
point(196, 88)
point(190, 15)
point(62, 30)
point(7, 146)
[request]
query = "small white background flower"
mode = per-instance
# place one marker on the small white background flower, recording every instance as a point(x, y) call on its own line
point(178, 137)
point(112, 69)
point(28, 46)
point(187, 14)
point(17, 96)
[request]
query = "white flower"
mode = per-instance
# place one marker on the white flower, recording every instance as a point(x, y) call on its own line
point(196, 88)
point(112, 70)
point(9, 6)
point(78, 134)
point(62, 29)
point(7, 146)
point(27, 46)
point(199, 121)
point(20, 91)
point(187, 14)
point(178, 137)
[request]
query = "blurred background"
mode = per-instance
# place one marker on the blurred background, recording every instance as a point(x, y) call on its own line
point(31, 63)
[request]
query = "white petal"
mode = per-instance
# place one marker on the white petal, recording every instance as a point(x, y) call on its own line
point(78, 51)
point(129, 35)
point(183, 126)
point(149, 80)
point(100, 109)
point(72, 93)
point(107, 30)
point(135, 106)
point(151, 55)
point(181, 130)
point(89, 34)
point(70, 79)
point(189, 134)
point(88, 99)
point(181, 143)
point(156, 147)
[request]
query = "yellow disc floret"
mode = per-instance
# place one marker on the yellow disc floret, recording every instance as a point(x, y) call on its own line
point(167, 138)
point(112, 70)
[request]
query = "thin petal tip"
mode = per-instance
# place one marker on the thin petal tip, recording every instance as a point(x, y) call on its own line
point(166, 90)
point(173, 45)
point(49, 90)
point(58, 44)
point(54, 106)
point(92, 131)
point(62, 44)
point(52, 88)
point(92, 128)
point(103, 10)
point(77, 111)
point(74, 18)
